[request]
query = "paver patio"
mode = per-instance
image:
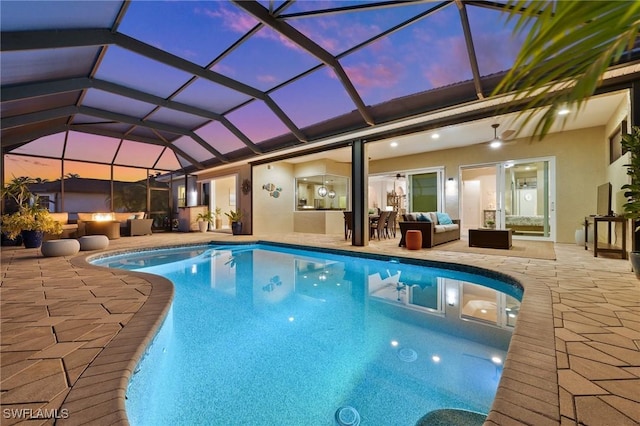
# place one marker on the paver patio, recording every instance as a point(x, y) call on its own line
point(70, 333)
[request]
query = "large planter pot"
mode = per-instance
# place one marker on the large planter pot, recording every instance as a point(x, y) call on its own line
point(218, 223)
point(580, 236)
point(634, 258)
point(236, 228)
point(6, 241)
point(203, 226)
point(32, 239)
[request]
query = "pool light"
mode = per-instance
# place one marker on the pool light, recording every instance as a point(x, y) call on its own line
point(394, 343)
point(496, 360)
point(435, 358)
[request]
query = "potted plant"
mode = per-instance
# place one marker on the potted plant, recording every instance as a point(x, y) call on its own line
point(204, 219)
point(30, 221)
point(235, 217)
point(631, 144)
point(217, 213)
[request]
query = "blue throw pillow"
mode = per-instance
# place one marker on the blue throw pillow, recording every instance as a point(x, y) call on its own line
point(422, 218)
point(444, 219)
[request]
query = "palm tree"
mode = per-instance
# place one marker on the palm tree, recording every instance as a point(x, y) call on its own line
point(569, 45)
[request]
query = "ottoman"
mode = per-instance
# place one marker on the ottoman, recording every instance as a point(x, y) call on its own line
point(64, 247)
point(413, 239)
point(93, 242)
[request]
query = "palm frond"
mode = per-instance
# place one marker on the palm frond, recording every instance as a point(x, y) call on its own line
point(569, 44)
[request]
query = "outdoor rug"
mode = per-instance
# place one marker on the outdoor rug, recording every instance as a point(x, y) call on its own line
point(520, 248)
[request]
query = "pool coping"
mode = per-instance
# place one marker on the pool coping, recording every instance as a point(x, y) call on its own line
point(527, 391)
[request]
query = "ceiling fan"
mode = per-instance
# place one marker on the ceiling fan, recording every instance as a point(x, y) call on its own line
point(498, 141)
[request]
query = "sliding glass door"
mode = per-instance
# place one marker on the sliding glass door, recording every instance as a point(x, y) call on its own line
point(518, 195)
point(528, 198)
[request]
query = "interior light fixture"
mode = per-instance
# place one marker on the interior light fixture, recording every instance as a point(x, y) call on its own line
point(322, 191)
point(564, 111)
point(435, 136)
point(393, 144)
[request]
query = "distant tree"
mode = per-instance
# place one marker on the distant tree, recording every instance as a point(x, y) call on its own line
point(130, 198)
point(71, 175)
point(568, 45)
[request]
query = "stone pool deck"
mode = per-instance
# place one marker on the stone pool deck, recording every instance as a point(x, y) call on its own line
point(71, 332)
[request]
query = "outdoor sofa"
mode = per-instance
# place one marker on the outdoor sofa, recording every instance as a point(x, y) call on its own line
point(434, 227)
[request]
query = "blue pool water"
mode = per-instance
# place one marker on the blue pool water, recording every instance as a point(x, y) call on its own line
point(272, 335)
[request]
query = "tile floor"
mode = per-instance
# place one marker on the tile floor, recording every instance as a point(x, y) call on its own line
point(71, 333)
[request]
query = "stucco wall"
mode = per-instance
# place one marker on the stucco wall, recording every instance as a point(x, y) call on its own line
point(580, 168)
point(273, 215)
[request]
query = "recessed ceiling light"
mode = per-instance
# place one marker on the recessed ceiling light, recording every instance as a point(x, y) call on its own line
point(394, 144)
point(435, 136)
point(563, 111)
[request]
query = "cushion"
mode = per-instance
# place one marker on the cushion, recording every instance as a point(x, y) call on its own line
point(433, 216)
point(63, 217)
point(85, 216)
point(444, 219)
point(140, 215)
point(421, 217)
point(410, 217)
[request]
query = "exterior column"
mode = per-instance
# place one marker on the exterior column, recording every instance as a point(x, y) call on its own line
point(359, 193)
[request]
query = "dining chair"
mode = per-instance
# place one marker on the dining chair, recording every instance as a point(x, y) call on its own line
point(377, 227)
point(348, 224)
point(390, 225)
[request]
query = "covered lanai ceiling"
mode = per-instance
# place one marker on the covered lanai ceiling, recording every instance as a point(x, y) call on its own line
point(187, 85)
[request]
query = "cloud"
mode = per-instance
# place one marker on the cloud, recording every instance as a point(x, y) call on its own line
point(267, 79)
point(337, 35)
point(384, 73)
point(232, 19)
point(224, 69)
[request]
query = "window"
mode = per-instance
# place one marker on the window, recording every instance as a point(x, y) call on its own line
point(182, 196)
point(426, 191)
point(615, 142)
point(322, 192)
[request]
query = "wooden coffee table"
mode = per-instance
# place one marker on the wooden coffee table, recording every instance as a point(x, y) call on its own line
point(490, 238)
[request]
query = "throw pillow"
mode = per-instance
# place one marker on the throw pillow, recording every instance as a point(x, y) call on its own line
point(423, 218)
point(444, 219)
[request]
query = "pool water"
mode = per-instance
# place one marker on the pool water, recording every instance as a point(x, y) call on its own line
point(271, 335)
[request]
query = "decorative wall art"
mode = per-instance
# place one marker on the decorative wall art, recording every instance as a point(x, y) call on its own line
point(246, 186)
point(273, 190)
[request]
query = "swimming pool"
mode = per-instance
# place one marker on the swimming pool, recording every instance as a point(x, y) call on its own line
point(264, 334)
